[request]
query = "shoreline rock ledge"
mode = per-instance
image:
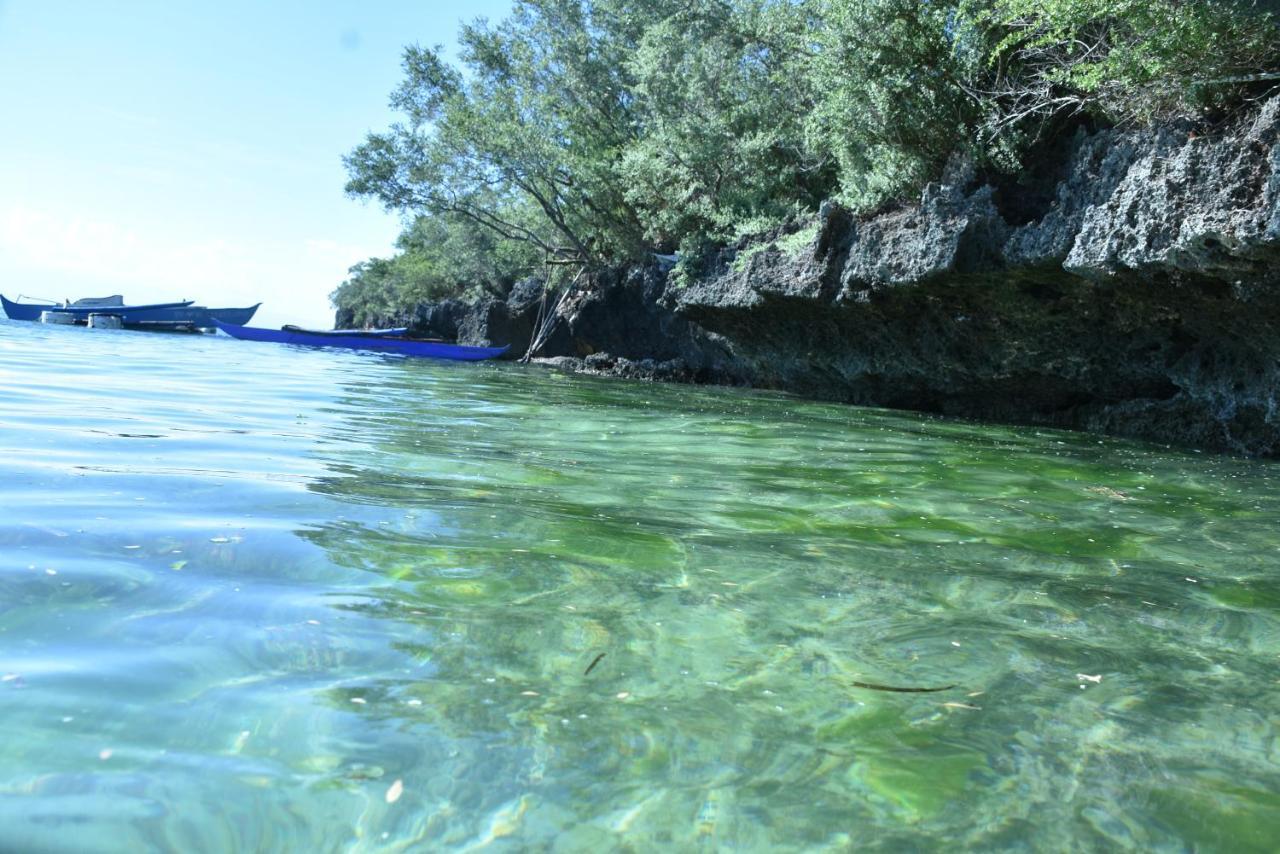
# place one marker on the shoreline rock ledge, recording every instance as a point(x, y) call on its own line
point(1129, 284)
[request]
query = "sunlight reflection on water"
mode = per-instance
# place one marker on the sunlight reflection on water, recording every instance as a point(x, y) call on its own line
point(249, 593)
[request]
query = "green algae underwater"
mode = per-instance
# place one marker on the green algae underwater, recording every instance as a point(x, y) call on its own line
point(265, 598)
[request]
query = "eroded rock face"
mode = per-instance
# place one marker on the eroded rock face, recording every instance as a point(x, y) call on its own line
point(1135, 290)
point(620, 325)
point(1189, 206)
point(1144, 300)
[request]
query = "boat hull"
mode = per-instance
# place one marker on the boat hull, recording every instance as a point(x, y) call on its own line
point(169, 314)
point(372, 343)
point(200, 317)
point(398, 332)
point(31, 311)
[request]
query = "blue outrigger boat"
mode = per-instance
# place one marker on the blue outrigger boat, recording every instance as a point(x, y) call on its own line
point(161, 315)
point(380, 341)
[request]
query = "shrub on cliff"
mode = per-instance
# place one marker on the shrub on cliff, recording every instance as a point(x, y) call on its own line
point(1127, 61)
point(901, 85)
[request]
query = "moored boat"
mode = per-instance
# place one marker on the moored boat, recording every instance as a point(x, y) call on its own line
point(396, 332)
point(167, 315)
point(199, 317)
point(31, 311)
point(381, 341)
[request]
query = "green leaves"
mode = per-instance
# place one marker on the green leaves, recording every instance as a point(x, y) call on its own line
point(602, 130)
point(893, 105)
point(440, 257)
point(430, 85)
point(721, 96)
point(1126, 61)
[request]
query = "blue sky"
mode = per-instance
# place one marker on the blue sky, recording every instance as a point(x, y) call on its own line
point(169, 150)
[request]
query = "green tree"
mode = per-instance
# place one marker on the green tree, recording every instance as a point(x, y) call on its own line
point(440, 257)
point(893, 104)
point(721, 92)
point(540, 117)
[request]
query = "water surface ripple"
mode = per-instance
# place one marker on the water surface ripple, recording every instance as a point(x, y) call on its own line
point(264, 598)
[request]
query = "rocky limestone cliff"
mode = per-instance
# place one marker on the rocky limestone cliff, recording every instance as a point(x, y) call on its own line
point(1129, 285)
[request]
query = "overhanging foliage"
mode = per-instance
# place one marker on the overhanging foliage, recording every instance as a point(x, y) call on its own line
point(599, 131)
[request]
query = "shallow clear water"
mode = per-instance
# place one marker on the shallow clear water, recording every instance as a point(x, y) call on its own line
point(262, 598)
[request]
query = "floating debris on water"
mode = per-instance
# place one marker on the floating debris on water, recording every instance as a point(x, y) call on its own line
point(592, 665)
point(394, 791)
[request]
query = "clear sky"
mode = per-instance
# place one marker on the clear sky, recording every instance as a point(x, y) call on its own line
point(177, 149)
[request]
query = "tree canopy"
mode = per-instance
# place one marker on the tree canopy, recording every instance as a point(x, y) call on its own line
point(599, 131)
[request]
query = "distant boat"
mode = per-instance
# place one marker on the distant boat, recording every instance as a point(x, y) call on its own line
point(381, 341)
point(161, 315)
point(397, 332)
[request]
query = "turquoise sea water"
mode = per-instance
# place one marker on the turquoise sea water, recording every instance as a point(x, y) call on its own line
point(263, 598)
